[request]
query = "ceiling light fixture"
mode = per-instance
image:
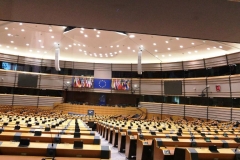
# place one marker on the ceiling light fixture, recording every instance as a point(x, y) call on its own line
point(15, 47)
point(52, 36)
point(154, 44)
point(97, 35)
point(169, 55)
point(6, 28)
point(117, 46)
point(111, 46)
point(30, 50)
point(192, 43)
point(133, 50)
point(82, 28)
point(12, 42)
point(128, 47)
point(169, 49)
point(74, 44)
point(27, 44)
point(94, 29)
point(208, 48)
point(22, 30)
point(131, 36)
point(195, 51)
point(163, 55)
point(166, 41)
point(81, 32)
point(177, 38)
point(39, 40)
point(181, 46)
point(69, 45)
point(8, 47)
point(98, 32)
point(189, 53)
point(85, 35)
point(9, 34)
point(42, 46)
point(20, 24)
point(68, 29)
point(156, 50)
point(220, 46)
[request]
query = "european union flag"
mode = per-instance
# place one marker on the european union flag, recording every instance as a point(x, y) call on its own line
point(102, 83)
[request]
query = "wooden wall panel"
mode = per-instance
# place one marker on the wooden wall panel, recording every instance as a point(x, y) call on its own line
point(196, 111)
point(7, 78)
point(121, 67)
point(82, 109)
point(49, 101)
point(196, 64)
point(236, 114)
point(234, 58)
point(194, 86)
point(25, 100)
point(151, 67)
point(173, 109)
point(223, 81)
point(152, 107)
point(235, 86)
point(54, 82)
point(6, 99)
point(216, 61)
point(151, 87)
point(175, 66)
point(219, 113)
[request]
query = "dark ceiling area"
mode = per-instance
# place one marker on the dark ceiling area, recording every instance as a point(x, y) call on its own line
point(217, 20)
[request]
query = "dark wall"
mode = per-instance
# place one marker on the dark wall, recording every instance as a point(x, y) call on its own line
point(93, 98)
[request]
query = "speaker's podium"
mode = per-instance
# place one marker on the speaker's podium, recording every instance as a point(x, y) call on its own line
point(90, 112)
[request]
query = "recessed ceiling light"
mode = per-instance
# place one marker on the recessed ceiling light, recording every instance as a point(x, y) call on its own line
point(177, 38)
point(133, 50)
point(181, 46)
point(100, 47)
point(105, 53)
point(98, 32)
point(131, 36)
point(166, 41)
point(169, 49)
point(27, 44)
point(214, 47)
point(45, 52)
point(90, 54)
point(208, 48)
point(6, 28)
point(82, 28)
point(163, 55)
point(20, 24)
point(81, 31)
point(0, 45)
point(22, 30)
point(9, 34)
point(141, 46)
point(50, 29)
point(7, 46)
point(120, 51)
point(117, 46)
point(69, 45)
point(203, 41)
point(85, 35)
point(84, 51)
point(80, 50)
point(189, 52)
point(111, 55)
point(128, 47)
point(115, 52)
point(38, 51)
point(192, 43)
point(30, 50)
point(52, 36)
point(156, 50)
point(94, 29)
point(154, 44)
point(195, 51)
point(79, 44)
point(169, 55)
point(220, 46)
point(39, 40)
point(74, 44)
point(156, 55)
point(12, 42)
point(42, 46)
point(15, 47)
point(66, 48)
point(55, 43)
point(97, 35)
point(111, 46)
point(84, 45)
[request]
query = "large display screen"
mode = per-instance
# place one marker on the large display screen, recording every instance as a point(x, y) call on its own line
point(173, 87)
point(8, 66)
point(82, 82)
point(27, 80)
point(121, 84)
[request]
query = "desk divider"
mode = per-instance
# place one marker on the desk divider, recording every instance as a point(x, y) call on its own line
point(17, 136)
point(32, 130)
point(159, 142)
point(51, 150)
point(194, 154)
point(96, 140)
point(105, 152)
point(225, 144)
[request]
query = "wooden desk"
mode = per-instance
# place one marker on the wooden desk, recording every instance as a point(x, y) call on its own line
point(115, 138)
point(121, 141)
point(48, 138)
point(52, 131)
point(62, 150)
point(131, 146)
point(3, 157)
point(206, 154)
